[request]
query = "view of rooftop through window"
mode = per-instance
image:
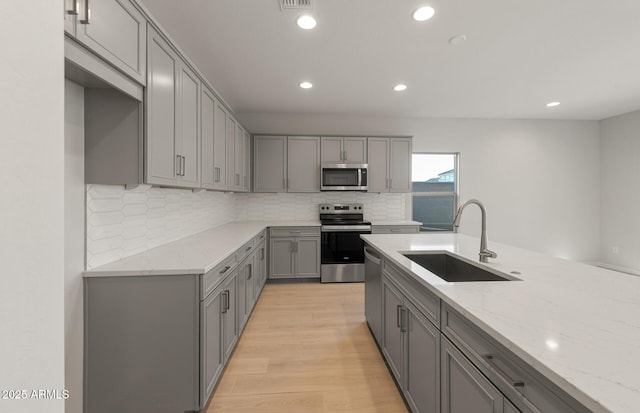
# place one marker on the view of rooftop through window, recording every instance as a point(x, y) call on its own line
point(434, 189)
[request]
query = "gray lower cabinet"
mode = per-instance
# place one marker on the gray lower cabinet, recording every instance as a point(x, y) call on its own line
point(211, 342)
point(229, 331)
point(246, 290)
point(142, 344)
point(294, 252)
point(464, 388)
point(261, 267)
point(411, 345)
point(114, 29)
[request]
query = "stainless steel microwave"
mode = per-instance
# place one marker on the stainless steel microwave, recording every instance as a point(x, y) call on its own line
point(343, 177)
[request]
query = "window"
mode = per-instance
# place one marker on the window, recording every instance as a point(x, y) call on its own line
point(434, 190)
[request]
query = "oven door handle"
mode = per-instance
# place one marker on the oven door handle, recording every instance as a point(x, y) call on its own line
point(346, 228)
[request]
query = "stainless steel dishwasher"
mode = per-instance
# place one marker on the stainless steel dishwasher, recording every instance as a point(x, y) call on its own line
point(373, 292)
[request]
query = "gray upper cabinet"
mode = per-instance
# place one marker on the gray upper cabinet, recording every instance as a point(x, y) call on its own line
point(219, 147)
point(172, 113)
point(239, 156)
point(113, 29)
point(389, 164)
point(400, 165)
point(344, 150)
point(303, 164)
point(232, 178)
point(378, 172)
point(161, 102)
point(269, 163)
point(207, 135)
point(247, 161)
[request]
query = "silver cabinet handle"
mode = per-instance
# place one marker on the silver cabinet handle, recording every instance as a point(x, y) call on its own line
point(217, 173)
point(399, 316)
point(262, 254)
point(370, 255)
point(87, 13)
point(248, 249)
point(184, 165)
point(250, 272)
point(225, 269)
point(225, 301)
point(403, 319)
point(74, 9)
point(178, 165)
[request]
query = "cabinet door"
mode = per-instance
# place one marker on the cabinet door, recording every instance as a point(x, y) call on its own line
point(400, 165)
point(378, 172)
point(211, 340)
point(229, 316)
point(116, 31)
point(303, 164)
point(242, 294)
point(239, 158)
point(307, 257)
point(270, 163)
point(161, 161)
point(464, 388)
point(262, 266)
point(219, 146)
point(189, 130)
point(247, 161)
point(281, 257)
point(510, 408)
point(355, 150)
point(231, 152)
point(422, 362)
point(391, 334)
point(207, 137)
point(70, 19)
point(331, 150)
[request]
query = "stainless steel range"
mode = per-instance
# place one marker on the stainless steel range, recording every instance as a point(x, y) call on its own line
point(341, 247)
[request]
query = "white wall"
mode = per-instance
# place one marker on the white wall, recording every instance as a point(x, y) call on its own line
point(538, 179)
point(620, 157)
point(32, 202)
point(74, 242)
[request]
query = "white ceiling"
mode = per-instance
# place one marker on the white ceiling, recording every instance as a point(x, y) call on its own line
point(519, 55)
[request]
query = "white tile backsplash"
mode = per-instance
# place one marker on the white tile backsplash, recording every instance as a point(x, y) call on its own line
point(123, 222)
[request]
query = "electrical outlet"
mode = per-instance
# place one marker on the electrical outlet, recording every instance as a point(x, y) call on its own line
point(615, 250)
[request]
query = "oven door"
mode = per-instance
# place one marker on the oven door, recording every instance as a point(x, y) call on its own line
point(342, 253)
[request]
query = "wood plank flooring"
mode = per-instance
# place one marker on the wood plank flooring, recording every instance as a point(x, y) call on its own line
point(307, 348)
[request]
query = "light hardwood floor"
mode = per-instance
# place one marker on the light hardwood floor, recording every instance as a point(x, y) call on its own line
point(307, 349)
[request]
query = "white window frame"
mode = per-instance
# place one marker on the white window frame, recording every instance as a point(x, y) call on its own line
point(435, 194)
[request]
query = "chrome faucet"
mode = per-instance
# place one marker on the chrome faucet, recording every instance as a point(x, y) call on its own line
point(485, 253)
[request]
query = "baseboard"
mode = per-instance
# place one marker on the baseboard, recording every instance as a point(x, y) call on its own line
point(616, 268)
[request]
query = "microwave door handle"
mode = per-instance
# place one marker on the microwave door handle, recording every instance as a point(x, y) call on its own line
point(359, 176)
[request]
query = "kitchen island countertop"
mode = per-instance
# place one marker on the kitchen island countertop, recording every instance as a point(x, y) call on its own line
point(577, 324)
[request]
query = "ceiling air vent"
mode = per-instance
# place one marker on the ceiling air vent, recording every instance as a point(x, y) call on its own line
point(295, 4)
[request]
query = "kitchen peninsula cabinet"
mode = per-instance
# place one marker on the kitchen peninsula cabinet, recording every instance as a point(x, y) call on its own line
point(344, 150)
point(114, 30)
point(172, 113)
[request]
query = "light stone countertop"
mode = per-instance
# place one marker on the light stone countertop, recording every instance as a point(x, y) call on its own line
point(195, 254)
point(577, 324)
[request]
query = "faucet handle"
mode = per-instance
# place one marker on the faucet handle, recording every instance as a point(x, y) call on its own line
point(485, 254)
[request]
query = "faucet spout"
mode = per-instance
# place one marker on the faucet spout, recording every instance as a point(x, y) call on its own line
point(485, 253)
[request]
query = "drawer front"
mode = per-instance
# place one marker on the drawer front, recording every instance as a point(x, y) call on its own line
point(262, 236)
point(294, 231)
point(526, 388)
point(245, 250)
point(214, 277)
point(424, 300)
point(395, 229)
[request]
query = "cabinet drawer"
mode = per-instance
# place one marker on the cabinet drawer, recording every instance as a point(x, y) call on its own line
point(214, 277)
point(395, 229)
point(262, 236)
point(294, 231)
point(526, 388)
point(425, 301)
point(245, 250)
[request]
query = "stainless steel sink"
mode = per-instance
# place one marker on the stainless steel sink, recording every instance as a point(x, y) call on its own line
point(452, 269)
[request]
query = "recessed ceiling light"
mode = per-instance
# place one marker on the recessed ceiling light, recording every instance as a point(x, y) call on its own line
point(306, 22)
point(423, 13)
point(400, 87)
point(456, 40)
point(552, 104)
point(306, 85)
